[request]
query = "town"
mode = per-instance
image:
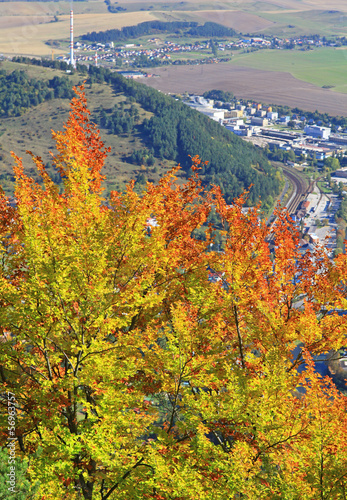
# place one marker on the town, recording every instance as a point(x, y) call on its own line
point(155, 51)
point(305, 144)
point(137, 56)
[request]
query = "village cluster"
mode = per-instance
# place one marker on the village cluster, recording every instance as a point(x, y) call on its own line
point(128, 53)
point(163, 50)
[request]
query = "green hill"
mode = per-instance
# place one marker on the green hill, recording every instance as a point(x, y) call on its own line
point(147, 131)
point(209, 29)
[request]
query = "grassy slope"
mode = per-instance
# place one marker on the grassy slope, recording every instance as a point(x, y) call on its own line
point(32, 131)
point(313, 21)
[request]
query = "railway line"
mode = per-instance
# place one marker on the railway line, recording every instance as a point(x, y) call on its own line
point(301, 189)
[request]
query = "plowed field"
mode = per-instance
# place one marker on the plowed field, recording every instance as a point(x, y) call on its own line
point(268, 87)
point(244, 22)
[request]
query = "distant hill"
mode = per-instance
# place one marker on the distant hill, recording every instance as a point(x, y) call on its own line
point(209, 29)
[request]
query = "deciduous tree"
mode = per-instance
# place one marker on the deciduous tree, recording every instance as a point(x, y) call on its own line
point(144, 365)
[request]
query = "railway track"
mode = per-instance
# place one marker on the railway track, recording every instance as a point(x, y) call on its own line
point(301, 189)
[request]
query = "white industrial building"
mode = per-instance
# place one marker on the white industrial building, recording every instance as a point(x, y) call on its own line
point(272, 115)
point(242, 130)
point(205, 106)
point(317, 132)
point(215, 114)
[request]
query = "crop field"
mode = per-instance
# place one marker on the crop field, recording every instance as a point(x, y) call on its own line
point(255, 84)
point(281, 18)
point(169, 6)
point(314, 79)
point(293, 23)
point(27, 34)
point(26, 26)
point(303, 18)
point(323, 66)
point(244, 22)
point(38, 8)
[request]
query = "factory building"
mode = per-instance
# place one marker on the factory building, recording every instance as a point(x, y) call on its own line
point(317, 132)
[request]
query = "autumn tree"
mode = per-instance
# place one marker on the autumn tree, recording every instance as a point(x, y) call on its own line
point(145, 365)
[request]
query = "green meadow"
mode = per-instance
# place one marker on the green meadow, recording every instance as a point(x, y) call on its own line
point(327, 22)
point(323, 66)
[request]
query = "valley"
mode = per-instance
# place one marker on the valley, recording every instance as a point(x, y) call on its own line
point(173, 261)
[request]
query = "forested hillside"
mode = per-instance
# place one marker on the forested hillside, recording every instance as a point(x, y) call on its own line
point(177, 132)
point(148, 131)
point(152, 27)
point(18, 92)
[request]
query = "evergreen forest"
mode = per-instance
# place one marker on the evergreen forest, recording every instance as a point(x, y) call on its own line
point(171, 131)
point(177, 132)
point(18, 92)
point(209, 29)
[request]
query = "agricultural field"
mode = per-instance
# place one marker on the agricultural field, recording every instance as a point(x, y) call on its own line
point(26, 26)
point(293, 23)
point(287, 77)
point(39, 22)
point(244, 22)
point(278, 17)
point(260, 85)
point(323, 67)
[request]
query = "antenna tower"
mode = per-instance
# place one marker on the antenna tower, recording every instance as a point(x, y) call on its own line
point(72, 59)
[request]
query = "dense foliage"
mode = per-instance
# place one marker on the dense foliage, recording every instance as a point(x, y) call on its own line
point(144, 366)
point(120, 120)
point(46, 63)
point(219, 95)
point(145, 28)
point(342, 211)
point(142, 157)
point(18, 92)
point(24, 490)
point(177, 132)
point(209, 29)
point(113, 8)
